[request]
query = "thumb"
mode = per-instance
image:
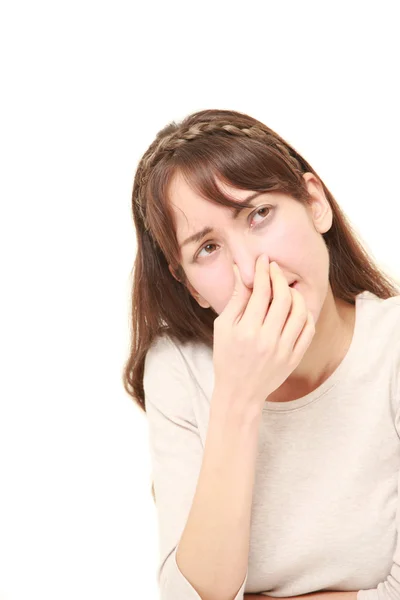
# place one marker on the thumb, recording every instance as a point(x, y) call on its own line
point(238, 301)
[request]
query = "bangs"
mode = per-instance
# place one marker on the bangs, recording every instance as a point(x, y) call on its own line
point(243, 163)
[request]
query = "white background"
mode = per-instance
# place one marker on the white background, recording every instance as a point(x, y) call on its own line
point(85, 88)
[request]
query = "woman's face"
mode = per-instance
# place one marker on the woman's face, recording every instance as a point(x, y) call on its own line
point(286, 230)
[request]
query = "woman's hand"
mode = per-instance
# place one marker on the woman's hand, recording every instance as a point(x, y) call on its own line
point(259, 341)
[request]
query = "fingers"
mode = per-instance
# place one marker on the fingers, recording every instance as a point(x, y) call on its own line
point(238, 301)
point(298, 329)
point(303, 340)
point(258, 303)
point(280, 306)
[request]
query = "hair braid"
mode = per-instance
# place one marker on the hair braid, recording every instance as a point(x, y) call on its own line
point(166, 143)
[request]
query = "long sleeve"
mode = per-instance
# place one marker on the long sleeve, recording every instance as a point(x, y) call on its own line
point(176, 452)
point(389, 589)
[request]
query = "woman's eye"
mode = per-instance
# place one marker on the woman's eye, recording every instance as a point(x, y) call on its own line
point(203, 248)
point(259, 210)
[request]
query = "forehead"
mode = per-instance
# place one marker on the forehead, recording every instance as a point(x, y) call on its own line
point(192, 212)
point(190, 209)
point(187, 203)
point(184, 197)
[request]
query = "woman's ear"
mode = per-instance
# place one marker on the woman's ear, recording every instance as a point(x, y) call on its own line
point(318, 205)
point(199, 299)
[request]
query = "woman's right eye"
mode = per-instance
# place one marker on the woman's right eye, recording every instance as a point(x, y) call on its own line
point(203, 248)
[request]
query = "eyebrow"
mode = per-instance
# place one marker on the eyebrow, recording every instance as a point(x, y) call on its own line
point(197, 237)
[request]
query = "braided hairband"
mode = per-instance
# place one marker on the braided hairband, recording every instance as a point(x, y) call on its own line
point(169, 143)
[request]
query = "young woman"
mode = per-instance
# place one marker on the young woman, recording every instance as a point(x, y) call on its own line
point(266, 354)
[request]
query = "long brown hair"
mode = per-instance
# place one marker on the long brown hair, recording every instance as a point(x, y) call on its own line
point(245, 153)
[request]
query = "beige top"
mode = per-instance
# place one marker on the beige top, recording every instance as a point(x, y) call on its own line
point(326, 494)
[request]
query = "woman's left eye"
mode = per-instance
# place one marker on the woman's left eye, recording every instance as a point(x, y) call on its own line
point(260, 209)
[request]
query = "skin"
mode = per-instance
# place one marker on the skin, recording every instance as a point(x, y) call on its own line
point(289, 233)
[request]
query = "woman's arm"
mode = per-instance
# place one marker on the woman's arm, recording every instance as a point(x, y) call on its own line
point(214, 547)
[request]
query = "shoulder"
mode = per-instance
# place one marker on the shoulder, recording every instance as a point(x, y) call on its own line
point(163, 361)
point(168, 379)
point(381, 336)
point(382, 314)
point(167, 349)
point(379, 327)
point(162, 347)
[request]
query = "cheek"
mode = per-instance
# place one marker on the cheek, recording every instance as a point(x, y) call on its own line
point(300, 248)
point(215, 287)
point(290, 245)
point(211, 283)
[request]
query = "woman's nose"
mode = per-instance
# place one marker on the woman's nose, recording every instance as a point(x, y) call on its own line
point(247, 269)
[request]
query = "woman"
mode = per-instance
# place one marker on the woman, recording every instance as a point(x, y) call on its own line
point(266, 354)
